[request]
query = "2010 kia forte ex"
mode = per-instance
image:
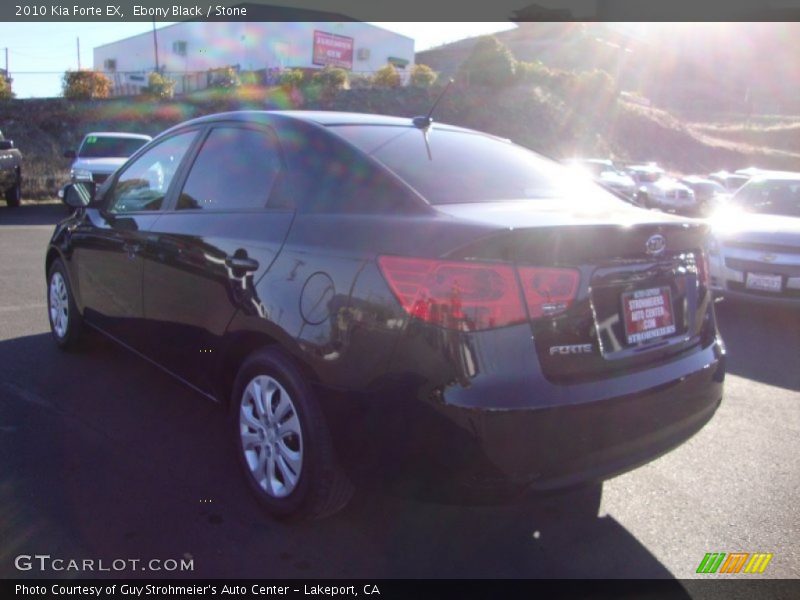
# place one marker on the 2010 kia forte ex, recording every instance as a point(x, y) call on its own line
point(380, 296)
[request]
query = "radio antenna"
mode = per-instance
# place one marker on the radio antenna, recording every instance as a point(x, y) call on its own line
point(424, 123)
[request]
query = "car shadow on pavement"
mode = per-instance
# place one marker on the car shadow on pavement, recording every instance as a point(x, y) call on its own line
point(110, 458)
point(34, 214)
point(763, 342)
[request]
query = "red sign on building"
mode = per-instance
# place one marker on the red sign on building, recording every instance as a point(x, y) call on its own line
point(332, 49)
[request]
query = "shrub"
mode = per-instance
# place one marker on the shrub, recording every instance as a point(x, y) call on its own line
point(159, 86)
point(291, 78)
point(387, 77)
point(489, 64)
point(6, 93)
point(85, 85)
point(532, 72)
point(359, 81)
point(331, 79)
point(422, 76)
point(595, 82)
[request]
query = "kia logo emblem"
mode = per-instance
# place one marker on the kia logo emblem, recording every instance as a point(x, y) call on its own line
point(655, 245)
point(768, 257)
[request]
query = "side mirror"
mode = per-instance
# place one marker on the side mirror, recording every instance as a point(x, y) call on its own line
point(6, 144)
point(79, 194)
point(69, 154)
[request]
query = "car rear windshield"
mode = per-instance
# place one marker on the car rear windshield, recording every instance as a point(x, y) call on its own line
point(770, 197)
point(462, 166)
point(99, 146)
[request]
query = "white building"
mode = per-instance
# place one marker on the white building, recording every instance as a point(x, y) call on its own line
point(188, 50)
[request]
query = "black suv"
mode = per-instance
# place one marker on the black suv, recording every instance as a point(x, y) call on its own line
point(383, 296)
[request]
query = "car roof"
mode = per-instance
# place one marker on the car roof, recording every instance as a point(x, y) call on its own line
point(318, 117)
point(119, 134)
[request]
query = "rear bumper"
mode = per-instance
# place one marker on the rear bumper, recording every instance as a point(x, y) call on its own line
point(436, 443)
point(560, 447)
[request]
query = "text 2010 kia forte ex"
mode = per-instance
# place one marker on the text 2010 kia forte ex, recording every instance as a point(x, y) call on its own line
point(376, 295)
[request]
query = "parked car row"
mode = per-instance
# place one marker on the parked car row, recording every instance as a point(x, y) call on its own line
point(754, 218)
point(650, 186)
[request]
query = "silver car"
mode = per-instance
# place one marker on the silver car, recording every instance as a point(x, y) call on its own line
point(754, 248)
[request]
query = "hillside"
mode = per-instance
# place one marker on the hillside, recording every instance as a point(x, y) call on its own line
point(535, 115)
point(746, 67)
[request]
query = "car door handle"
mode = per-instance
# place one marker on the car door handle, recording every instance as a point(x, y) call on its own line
point(241, 263)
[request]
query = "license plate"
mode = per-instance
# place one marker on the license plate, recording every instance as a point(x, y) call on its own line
point(763, 282)
point(648, 314)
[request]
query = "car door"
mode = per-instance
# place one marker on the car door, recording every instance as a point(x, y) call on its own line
point(107, 243)
point(219, 237)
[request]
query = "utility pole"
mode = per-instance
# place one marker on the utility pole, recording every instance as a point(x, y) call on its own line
point(6, 60)
point(78, 40)
point(155, 43)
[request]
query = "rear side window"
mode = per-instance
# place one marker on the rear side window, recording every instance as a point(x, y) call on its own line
point(236, 168)
point(328, 175)
point(461, 166)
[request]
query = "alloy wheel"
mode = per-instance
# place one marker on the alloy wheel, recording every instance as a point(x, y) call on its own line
point(271, 436)
point(59, 305)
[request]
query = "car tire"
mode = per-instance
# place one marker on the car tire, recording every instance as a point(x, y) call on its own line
point(14, 193)
point(66, 322)
point(282, 440)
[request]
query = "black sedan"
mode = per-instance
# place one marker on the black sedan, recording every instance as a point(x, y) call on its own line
point(378, 296)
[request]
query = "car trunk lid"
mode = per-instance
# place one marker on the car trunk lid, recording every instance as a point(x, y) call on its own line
point(641, 299)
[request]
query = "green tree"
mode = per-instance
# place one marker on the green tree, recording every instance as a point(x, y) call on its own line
point(387, 77)
point(423, 76)
point(489, 64)
point(84, 85)
point(159, 86)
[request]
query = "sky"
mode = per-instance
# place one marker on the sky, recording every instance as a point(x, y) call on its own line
point(39, 53)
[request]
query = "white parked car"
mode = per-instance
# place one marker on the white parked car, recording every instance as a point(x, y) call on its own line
point(657, 190)
point(103, 152)
point(754, 247)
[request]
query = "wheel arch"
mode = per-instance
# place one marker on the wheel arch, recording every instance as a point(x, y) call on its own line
point(50, 258)
point(235, 351)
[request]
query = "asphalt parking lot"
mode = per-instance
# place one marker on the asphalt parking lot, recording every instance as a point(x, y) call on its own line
point(105, 456)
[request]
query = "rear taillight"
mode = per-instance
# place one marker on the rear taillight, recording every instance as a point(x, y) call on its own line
point(701, 263)
point(548, 291)
point(471, 296)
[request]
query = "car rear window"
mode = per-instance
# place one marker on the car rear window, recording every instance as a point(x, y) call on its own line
point(98, 146)
point(462, 166)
